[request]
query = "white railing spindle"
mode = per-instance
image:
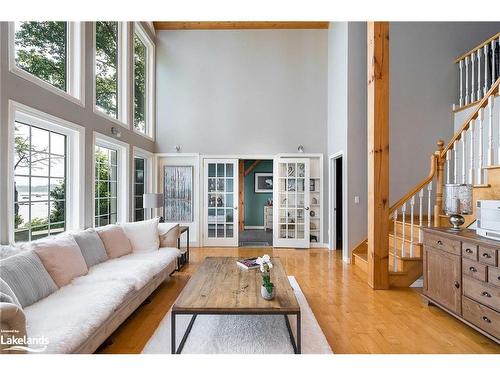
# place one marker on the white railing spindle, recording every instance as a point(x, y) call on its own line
point(479, 54)
point(464, 157)
point(412, 206)
point(420, 214)
point(490, 131)
point(461, 72)
point(403, 231)
point(473, 79)
point(448, 159)
point(471, 153)
point(480, 173)
point(455, 162)
point(467, 98)
point(429, 208)
point(395, 244)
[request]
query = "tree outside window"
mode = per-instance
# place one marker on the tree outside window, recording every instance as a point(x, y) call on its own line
point(140, 57)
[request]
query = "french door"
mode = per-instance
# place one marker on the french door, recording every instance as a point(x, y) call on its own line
point(220, 202)
point(291, 202)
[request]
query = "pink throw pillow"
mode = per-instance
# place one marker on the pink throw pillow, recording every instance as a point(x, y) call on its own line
point(61, 257)
point(115, 241)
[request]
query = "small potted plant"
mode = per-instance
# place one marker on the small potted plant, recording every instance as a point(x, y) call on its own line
point(267, 289)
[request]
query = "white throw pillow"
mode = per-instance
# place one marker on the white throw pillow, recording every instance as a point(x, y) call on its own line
point(143, 235)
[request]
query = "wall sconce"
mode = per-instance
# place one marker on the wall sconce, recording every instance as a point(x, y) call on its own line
point(300, 148)
point(178, 148)
point(115, 132)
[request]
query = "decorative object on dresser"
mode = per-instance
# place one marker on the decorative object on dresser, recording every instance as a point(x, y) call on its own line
point(458, 202)
point(488, 218)
point(462, 276)
point(268, 217)
point(263, 182)
point(178, 187)
point(152, 201)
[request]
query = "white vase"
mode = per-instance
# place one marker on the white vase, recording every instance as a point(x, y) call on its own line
point(265, 294)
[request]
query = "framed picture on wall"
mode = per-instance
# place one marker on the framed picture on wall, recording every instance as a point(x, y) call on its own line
point(263, 182)
point(178, 190)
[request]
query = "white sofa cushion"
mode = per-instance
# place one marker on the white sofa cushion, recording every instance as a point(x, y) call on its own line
point(135, 269)
point(70, 315)
point(143, 235)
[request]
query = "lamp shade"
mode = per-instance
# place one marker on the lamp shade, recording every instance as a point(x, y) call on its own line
point(152, 200)
point(458, 199)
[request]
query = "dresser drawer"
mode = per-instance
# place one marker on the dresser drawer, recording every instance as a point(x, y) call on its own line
point(442, 243)
point(469, 250)
point(494, 276)
point(488, 255)
point(475, 270)
point(481, 316)
point(482, 292)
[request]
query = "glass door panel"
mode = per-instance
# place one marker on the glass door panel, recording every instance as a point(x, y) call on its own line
point(290, 210)
point(221, 212)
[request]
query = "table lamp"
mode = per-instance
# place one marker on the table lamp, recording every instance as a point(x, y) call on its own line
point(152, 201)
point(458, 202)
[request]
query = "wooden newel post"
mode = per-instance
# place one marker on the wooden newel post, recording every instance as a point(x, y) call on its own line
point(438, 206)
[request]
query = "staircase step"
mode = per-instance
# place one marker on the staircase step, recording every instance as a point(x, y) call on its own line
point(360, 260)
point(407, 276)
point(417, 247)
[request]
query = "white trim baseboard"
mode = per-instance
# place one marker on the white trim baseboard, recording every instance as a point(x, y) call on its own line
point(254, 227)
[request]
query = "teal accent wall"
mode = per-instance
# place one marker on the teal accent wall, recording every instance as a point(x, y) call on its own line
point(254, 202)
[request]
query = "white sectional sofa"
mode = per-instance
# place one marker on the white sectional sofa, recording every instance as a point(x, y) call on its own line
point(80, 316)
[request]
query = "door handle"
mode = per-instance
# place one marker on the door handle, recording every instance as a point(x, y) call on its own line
point(486, 255)
point(306, 208)
point(236, 207)
point(486, 294)
point(456, 284)
point(472, 269)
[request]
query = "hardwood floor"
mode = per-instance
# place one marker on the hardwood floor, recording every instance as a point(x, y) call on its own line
point(354, 318)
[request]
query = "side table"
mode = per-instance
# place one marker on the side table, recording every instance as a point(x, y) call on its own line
point(184, 257)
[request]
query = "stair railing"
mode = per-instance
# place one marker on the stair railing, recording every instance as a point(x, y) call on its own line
point(478, 70)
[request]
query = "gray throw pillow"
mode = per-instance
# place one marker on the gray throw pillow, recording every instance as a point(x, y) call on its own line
point(25, 275)
point(7, 293)
point(91, 246)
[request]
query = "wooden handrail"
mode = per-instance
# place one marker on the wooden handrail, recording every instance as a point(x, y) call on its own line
point(417, 188)
point(472, 116)
point(496, 36)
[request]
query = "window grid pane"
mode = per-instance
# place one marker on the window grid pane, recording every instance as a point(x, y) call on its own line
point(106, 194)
point(140, 66)
point(39, 202)
point(139, 187)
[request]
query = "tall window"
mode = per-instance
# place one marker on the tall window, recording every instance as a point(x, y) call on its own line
point(106, 67)
point(106, 180)
point(39, 182)
point(41, 50)
point(140, 60)
point(139, 187)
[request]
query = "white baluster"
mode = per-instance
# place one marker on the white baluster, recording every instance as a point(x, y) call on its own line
point(420, 214)
point(471, 153)
point(493, 49)
point(461, 72)
point(473, 82)
point(464, 158)
point(480, 173)
point(403, 232)
point(412, 205)
point(490, 131)
point(486, 83)
point(455, 162)
point(429, 208)
point(467, 98)
point(448, 159)
point(479, 54)
point(395, 245)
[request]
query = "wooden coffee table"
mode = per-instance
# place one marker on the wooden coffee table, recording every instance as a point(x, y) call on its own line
point(220, 287)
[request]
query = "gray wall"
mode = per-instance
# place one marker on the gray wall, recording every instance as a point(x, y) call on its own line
point(347, 123)
point(423, 87)
point(242, 91)
point(25, 92)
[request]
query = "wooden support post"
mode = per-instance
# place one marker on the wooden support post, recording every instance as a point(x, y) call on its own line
point(378, 154)
point(438, 205)
point(241, 195)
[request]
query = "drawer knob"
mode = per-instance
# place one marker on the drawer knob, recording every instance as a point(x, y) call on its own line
point(456, 284)
point(486, 294)
point(486, 255)
point(468, 251)
point(486, 319)
point(472, 269)
point(439, 242)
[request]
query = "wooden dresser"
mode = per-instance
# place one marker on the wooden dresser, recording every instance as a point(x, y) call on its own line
point(462, 276)
point(268, 217)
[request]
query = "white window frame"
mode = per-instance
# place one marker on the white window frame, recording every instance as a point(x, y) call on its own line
point(75, 67)
point(123, 97)
point(75, 168)
point(150, 82)
point(123, 178)
point(148, 188)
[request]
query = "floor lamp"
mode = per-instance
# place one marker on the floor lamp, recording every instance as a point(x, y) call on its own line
point(152, 201)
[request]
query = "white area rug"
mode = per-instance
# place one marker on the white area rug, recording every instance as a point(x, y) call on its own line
point(242, 334)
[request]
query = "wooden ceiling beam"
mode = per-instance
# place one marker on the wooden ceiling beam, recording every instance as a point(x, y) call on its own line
point(251, 167)
point(230, 25)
